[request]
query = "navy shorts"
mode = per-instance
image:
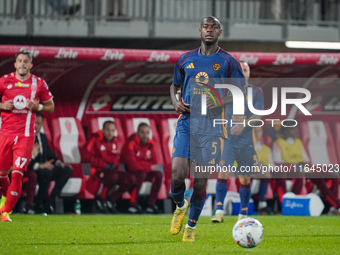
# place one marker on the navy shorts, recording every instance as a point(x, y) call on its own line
point(243, 158)
point(202, 149)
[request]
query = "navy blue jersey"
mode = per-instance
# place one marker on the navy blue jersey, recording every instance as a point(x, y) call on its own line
point(246, 136)
point(198, 74)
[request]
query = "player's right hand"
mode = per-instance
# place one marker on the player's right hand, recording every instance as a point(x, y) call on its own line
point(48, 164)
point(181, 107)
point(8, 105)
point(32, 105)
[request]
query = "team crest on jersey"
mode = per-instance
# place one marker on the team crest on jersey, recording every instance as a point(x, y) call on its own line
point(202, 77)
point(19, 102)
point(216, 67)
point(114, 148)
point(9, 86)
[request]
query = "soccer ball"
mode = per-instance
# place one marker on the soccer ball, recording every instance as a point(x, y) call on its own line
point(248, 232)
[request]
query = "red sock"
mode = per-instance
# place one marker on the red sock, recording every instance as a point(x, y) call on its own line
point(4, 183)
point(298, 185)
point(133, 199)
point(322, 186)
point(14, 190)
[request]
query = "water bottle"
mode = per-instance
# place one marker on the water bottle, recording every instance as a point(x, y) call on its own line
point(77, 207)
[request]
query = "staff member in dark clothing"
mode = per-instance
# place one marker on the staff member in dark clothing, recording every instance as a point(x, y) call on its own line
point(48, 168)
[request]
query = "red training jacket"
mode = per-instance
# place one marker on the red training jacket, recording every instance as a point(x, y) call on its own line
point(138, 156)
point(102, 151)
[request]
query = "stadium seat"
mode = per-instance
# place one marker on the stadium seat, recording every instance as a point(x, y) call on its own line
point(318, 141)
point(337, 145)
point(45, 130)
point(337, 138)
point(167, 133)
point(211, 186)
point(69, 139)
point(69, 143)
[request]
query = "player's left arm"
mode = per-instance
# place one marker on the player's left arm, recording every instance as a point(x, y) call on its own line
point(46, 98)
point(33, 105)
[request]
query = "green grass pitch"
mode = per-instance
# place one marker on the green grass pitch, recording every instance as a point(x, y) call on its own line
point(148, 234)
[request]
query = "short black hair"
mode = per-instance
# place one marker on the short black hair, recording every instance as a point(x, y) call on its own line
point(211, 18)
point(24, 52)
point(143, 124)
point(108, 122)
point(39, 114)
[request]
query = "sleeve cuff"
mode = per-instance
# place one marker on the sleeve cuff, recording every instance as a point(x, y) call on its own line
point(36, 166)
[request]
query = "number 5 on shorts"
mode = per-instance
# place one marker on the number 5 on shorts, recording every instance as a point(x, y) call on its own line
point(255, 161)
point(214, 145)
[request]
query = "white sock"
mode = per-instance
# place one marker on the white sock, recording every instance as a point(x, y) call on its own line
point(262, 204)
point(219, 212)
point(183, 207)
point(187, 226)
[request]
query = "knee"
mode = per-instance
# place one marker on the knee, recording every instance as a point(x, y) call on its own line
point(244, 180)
point(178, 176)
point(131, 179)
point(177, 182)
point(113, 177)
point(141, 176)
point(199, 185)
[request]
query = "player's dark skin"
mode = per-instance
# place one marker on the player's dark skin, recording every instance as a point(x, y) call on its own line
point(209, 32)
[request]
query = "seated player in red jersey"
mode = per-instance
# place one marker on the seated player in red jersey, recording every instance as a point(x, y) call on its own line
point(138, 155)
point(21, 94)
point(104, 158)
